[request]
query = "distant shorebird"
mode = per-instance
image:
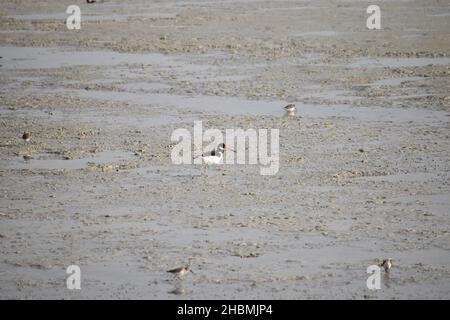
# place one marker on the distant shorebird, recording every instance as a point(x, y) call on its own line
point(386, 264)
point(181, 271)
point(290, 107)
point(215, 156)
point(26, 136)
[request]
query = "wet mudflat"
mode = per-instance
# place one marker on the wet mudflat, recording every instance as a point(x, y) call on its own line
point(364, 162)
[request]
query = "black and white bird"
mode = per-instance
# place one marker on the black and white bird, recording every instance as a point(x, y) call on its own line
point(215, 156)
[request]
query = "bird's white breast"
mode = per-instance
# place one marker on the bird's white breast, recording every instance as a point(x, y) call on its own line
point(212, 159)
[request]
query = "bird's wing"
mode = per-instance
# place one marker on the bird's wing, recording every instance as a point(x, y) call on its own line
point(206, 154)
point(209, 154)
point(176, 270)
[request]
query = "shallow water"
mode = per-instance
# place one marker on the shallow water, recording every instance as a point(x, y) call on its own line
point(45, 162)
point(37, 58)
point(397, 62)
point(238, 106)
point(61, 17)
point(29, 58)
point(397, 81)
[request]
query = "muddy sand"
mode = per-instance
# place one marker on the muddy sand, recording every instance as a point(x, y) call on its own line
point(364, 162)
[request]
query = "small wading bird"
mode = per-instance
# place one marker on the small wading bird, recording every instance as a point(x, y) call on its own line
point(386, 264)
point(215, 156)
point(290, 107)
point(26, 136)
point(181, 271)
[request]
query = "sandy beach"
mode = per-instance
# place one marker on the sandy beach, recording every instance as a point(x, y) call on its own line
point(364, 163)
